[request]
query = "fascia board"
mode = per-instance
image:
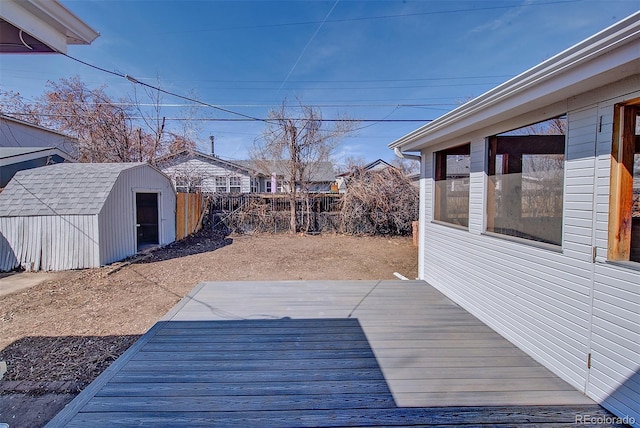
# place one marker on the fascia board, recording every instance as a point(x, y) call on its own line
point(77, 31)
point(35, 155)
point(49, 22)
point(18, 16)
point(560, 76)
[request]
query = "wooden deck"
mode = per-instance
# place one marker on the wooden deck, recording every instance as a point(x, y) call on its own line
point(325, 353)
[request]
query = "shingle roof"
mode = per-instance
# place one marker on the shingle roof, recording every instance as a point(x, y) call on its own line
point(321, 171)
point(61, 189)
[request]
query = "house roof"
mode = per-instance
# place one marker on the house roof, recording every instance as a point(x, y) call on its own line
point(30, 26)
point(169, 159)
point(378, 164)
point(61, 189)
point(603, 58)
point(321, 171)
point(4, 117)
point(9, 155)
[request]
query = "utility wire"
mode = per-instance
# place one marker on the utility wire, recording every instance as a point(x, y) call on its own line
point(307, 45)
point(370, 18)
point(219, 119)
point(164, 91)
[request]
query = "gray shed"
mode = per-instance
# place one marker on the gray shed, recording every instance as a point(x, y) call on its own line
point(83, 215)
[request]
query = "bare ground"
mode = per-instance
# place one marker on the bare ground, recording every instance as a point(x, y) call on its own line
point(58, 336)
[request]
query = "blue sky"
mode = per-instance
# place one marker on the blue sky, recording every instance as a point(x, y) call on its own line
point(375, 60)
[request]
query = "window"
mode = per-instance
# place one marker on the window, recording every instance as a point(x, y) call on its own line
point(268, 185)
point(235, 184)
point(526, 185)
point(221, 184)
point(255, 183)
point(186, 184)
point(452, 185)
point(624, 197)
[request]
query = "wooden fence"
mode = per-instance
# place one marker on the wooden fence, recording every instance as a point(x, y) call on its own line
point(189, 213)
point(271, 212)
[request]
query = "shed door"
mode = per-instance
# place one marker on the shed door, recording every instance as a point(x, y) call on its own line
point(147, 219)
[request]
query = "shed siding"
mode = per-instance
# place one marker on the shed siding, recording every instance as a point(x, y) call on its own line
point(50, 242)
point(208, 171)
point(559, 306)
point(117, 217)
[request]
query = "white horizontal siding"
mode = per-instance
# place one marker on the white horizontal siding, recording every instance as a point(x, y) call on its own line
point(614, 379)
point(207, 171)
point(544, 314)
point(559, 306)
point(477, 186)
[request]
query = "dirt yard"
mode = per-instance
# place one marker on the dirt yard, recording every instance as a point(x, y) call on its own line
point(59, 335)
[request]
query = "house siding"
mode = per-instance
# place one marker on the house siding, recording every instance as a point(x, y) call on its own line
point(208, 171)
point(614, 378)
point(557, 305)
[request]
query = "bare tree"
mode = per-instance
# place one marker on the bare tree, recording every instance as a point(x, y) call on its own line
point(406, 166)
point(103, 127)
point(108, 130)
point(13, 104)
point(297, 139)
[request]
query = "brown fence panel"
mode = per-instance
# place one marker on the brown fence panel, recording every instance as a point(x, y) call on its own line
point(189, 210)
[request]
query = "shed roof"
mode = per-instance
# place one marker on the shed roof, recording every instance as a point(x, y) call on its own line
point(61, 189)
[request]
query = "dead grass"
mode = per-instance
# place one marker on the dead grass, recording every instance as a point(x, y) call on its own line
point(67, 331)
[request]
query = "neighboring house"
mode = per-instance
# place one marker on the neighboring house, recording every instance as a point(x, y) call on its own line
point(193, 171)
point(196, 171)
point(342, 180)
point(83, 215)
point(18, 133)
point(377, 165)
point(14, 159)
point(546, 260)
point(273, 175)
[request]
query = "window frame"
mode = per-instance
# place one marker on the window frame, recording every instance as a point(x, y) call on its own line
point(235, 188)
point(440, 174)
point(625, 144)
point(221, 188)
point(512, 163)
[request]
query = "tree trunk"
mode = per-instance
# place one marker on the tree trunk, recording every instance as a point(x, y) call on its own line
point(292, 220)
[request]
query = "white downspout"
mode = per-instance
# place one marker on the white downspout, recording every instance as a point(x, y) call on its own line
point(399, 153)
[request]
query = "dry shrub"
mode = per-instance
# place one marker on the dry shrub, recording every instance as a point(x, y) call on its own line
point(383, 202)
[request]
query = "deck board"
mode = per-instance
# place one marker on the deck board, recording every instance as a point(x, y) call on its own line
point(318, 353)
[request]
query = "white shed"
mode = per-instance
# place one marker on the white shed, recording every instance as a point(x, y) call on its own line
point(540, 237)
point(83, 215)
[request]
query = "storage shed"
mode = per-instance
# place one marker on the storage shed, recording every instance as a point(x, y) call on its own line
point(83, 215)
point(539, 238)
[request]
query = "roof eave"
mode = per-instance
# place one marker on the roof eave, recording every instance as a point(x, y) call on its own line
point(50, 22)
point(569, 73)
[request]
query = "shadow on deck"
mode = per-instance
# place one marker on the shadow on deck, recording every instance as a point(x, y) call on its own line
point(317, 371)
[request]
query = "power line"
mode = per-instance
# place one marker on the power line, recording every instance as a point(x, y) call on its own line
point(164, 91)
point(368, 18)
point(222, 119)
point(307, 45)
